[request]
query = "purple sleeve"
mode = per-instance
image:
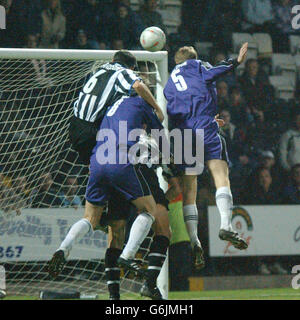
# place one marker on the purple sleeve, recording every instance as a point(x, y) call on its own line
point(211, 73)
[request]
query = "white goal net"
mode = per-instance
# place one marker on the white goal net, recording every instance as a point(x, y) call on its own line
point(42, 183)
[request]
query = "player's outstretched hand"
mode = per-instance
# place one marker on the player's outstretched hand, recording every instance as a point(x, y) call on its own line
point(243, 53)
point(220, 122)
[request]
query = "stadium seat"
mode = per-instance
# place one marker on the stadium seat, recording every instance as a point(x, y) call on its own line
point(284, 87)
point(264, 44)
point(294, 44)
point(284, 65)
point(171, 15)
point(239, 38)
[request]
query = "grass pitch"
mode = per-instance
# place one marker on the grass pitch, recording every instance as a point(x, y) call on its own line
point(253, 294)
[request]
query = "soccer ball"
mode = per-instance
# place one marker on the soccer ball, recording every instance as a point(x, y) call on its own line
point(153, 39)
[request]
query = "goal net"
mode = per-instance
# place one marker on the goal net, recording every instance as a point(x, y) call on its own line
point(42, 183)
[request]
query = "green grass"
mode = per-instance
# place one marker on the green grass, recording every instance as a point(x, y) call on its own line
point(255, 294)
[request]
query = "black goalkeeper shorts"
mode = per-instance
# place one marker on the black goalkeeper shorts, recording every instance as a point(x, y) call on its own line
point(82, 135)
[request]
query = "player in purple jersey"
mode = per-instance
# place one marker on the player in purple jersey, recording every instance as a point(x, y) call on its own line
point(120, 176)
point(192, 104)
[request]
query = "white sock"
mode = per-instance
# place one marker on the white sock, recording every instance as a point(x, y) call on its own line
point(138, 232)
point(225, 203)
point(190, 214)
point(77, 231)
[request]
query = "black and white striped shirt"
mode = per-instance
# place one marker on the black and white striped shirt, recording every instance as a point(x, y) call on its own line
point(105, 87)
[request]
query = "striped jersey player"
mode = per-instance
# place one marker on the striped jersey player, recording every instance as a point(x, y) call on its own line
point(112, 81)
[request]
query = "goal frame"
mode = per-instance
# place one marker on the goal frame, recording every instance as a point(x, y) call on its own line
point(161, 60)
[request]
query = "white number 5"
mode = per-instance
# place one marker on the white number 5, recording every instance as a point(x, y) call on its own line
point(178, 81)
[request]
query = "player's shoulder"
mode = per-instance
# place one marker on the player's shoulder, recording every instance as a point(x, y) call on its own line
point(204, 64)
point(193, 64)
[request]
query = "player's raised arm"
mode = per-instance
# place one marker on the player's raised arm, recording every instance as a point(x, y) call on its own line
point(211, 73)
point(143, 91)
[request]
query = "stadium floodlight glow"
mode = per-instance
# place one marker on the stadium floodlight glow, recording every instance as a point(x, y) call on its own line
point(38, 88)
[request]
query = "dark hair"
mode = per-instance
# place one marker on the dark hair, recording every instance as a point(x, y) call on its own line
point(125, 58)
point(248, 62)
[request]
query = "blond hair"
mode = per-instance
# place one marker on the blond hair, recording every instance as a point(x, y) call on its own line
point(185, 53)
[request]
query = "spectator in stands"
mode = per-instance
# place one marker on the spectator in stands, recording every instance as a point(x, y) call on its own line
point(193, 14)
point(218, 56)
point(97, 19)
point(290, 145)
point(255, 86)
point(234, 136)
point(283, 18)
point(117, 44)
point(240, 113)
point(258, 15)
point(260, 134)
point(264, 190)
point(227, 18)
point(82, 41)
point(53, 25)
point(228, 131)
point(47, 195)
point(22, 18)
point(150, 16)
point(32, 41)
point(71, 198)
point(127, 27)
point(239, 176)
point(268, 161)
point(291, 193)
point(223, 97)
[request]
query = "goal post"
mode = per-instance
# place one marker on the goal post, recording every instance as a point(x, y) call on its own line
point(38, 88)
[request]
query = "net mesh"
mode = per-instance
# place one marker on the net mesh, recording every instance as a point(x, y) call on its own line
point(38, 170)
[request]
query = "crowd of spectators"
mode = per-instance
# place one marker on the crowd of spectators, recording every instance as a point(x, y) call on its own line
point(83, 24)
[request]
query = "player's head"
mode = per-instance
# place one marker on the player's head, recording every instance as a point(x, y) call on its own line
point(185, 53)
point(125, 58)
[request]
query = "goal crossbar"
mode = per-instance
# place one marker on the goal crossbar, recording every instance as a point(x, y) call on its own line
point(73, 54)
